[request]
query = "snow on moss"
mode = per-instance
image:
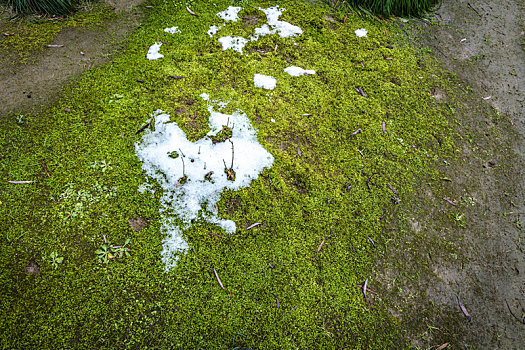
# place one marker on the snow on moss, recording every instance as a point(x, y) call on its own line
point(193, 174)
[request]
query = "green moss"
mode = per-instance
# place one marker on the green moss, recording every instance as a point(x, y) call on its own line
point(282, 288)
point(28, 36)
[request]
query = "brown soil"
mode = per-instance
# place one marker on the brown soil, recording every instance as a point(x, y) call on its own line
point(28, 87)
point(482, 42)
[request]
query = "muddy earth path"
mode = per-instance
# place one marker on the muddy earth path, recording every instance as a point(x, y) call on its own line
point(28, 87)
point(483, 43)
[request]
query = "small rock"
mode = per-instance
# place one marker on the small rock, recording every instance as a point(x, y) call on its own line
point(137, 224)
point(67, 110)
point(32, 268)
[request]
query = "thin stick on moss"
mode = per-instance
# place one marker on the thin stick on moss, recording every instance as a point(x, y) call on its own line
point(218, 279)
point(464, 309)
point(364, 288)
point(320, 246)
point(368, 181)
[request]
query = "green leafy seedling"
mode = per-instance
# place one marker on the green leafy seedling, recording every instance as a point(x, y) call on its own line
point(55, 259)
point(104, 253)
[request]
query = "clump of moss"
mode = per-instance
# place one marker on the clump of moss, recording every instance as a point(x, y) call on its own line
point(24, 37)
point(224, 134)
point(288, 282)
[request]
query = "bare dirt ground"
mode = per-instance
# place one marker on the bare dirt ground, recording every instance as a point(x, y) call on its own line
point(28, 87)
point(483, 43)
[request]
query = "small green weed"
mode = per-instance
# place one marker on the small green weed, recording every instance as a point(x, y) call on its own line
point(108, 252)
point(101, 165)
point(54, 259)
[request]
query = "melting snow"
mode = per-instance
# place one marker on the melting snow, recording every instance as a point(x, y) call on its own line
point(264, 81)
point(235, 43)
point(297, 71)
point(360, 32)
point(284, 29)
point(172, 30)
point(162, 153)
point(230, 14)
point(213, 30)
point(153, 52)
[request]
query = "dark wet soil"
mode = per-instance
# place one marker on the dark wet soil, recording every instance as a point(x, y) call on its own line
point(28, 87)
point(482, 42)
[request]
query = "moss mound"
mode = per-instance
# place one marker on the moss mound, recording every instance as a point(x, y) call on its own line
point(78, 271)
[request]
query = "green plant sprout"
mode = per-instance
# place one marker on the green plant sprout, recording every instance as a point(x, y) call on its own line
point(108, 252)
point(55, 259)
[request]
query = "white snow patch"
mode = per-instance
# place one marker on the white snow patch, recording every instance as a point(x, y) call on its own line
point(213, 29)
point(145, 187)
point(153, 52)
point(264, 81)
point(230, 14)
point(172, 30)
point(285, 29)
point(182, 203)
point(360, 32)
point(236, 43)
point(295, 71)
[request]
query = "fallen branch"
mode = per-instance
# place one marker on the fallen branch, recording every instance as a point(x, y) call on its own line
point(143, 128)
point(368, 181)
point(361, 92)
point(391, 188)
point(449, 201)
point(45, 169)
point(356, 132)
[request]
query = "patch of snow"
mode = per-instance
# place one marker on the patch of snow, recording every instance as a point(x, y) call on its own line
point(285, 29)
point(145, 187)
point(153, 52)
point(261, 31)
point(172, 30)
point(264, 81)
point(297, 71)
point(230, 14)
point(360, 32)
point(213, 30)
point(236, 43)
point(162, 152)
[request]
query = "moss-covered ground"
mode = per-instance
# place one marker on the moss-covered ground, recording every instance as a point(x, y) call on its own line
point(25, 37)
point(289, 283)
